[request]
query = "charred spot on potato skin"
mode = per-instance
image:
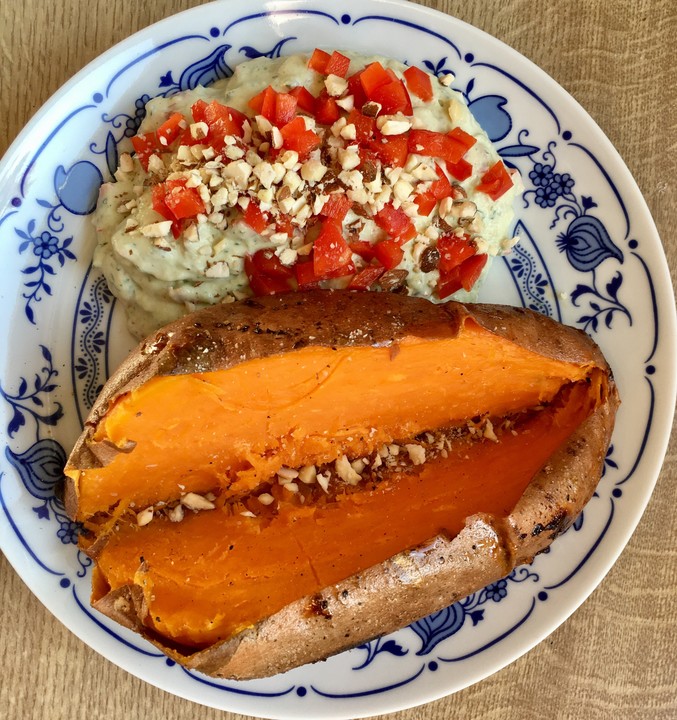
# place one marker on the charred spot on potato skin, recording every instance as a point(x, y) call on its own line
point(319, 606)
point(558, 524)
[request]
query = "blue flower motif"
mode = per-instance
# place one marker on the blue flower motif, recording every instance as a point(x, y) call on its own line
point(546, 197)
point(132, 123)
point(68, 533)
point(541, 175)
point(45, 245)
point(497, 591)
point(562, 184)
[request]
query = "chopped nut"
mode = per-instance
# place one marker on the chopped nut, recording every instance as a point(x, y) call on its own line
point(489, 433)
point(313, 171)
point(323, 481)
point(176, 514)
point(288, 257)
point(287, 474)
point(349, 132)
point(371, 108)
point(193, 501)
point(126, 163)
point(239, 172)
point(347, 102)
point(308, 474)
point(390, 126)
point(289, 158)
point(402, 189)
point(391, 281)
point(335, 85)
point(349, 157)
point(155, 165)
point(447, 79)
point(157, 230)
point(233, 152)
point(199, 130)
point(218, 270)
point(346, 472)
point(145, 516)
point(416, 453)
point(266, 499)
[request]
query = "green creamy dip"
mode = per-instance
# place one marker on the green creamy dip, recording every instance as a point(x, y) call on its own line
point(159, 279)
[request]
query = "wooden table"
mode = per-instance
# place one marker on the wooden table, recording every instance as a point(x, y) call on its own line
point(615, 658)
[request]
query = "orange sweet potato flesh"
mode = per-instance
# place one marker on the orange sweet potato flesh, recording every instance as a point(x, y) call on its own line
point(214, 574)
point(289, 409)
point(220, 401)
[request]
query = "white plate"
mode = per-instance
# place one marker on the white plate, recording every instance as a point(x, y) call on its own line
point(589, 256)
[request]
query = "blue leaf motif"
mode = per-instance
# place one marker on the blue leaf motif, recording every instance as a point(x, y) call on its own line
point(490, 114)
point(517, 150)
point(40, 467)
point(275, 52)
point(438, 626)
point(78, 188)
point(587, 243)
point(111, 155)
point(207, 70)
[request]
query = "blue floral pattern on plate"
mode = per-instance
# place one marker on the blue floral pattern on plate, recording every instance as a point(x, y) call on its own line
point(577, 260)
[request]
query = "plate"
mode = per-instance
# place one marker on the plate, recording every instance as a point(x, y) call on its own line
point(589, 256)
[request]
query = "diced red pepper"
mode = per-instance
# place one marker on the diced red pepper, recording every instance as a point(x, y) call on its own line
point(266, 262)
point(463, 138)
point(391, 150)
point(327, 112)
point(198, 111)
point(264, 103)
point(463, 276)
point(305, 276)
point(184, 202)
point(434, 144)
point(337, 206)
point(471, 269)
point(256, 219)
point(318, 61)
point(419, 83)
point(158, 200)
point(145, 145)
point(449, 283)
point(304, 98)
point(396, 223)
point(363, 248)
point(426, 203)
point(356, 90)
point(438, 190)
point(373, 77)
point(175, 202)
point(261, 284)
point(496, 181)
point(388, 253)
point(296, 137)
point(393, 98)
point(461, 170)
point(229, 119)
point(285, 108)
point(330, 250)
point(364, 126)
point(453, 251)
point(170, 129)
point(366, 278)
point(337, 65)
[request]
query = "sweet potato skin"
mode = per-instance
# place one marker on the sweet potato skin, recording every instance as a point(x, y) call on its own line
point(417, 582)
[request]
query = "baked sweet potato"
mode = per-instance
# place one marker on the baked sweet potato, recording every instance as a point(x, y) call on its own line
point(256, 477)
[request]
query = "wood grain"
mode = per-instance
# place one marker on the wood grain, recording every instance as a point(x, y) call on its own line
point(615, 657)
